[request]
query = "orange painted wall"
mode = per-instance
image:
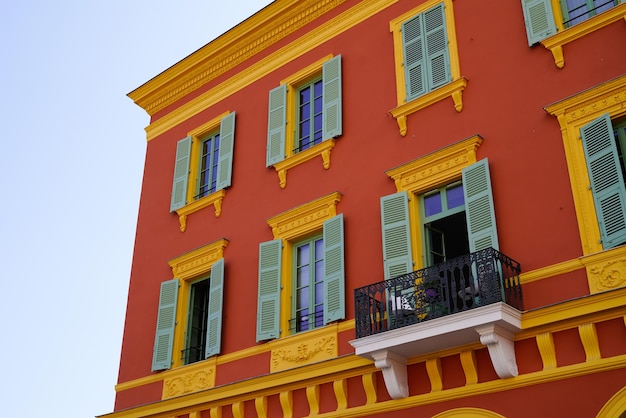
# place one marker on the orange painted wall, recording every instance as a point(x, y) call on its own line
point(508, 86)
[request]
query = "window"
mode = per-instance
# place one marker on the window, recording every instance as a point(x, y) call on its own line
point(308, 285)
point(304, 116)
point(592, 125)
point(433, 225)
point(603, 144)
point(426, 58)
point(554, 23)
point(203, 167)
point(189, 319)
point(301, 271)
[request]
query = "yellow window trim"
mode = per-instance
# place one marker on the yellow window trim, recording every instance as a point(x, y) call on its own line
point(186, 268)
point(563, 36)
point(322, 149)
point(453, 89)
point(573, 113)
point(292, 225)
point(214, 198)
point(429, 172)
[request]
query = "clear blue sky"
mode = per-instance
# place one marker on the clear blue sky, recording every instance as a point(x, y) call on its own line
point(72, 154)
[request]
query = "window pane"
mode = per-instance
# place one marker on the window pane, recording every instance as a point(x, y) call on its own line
point(432, 204)
point(303, 297)
point(303, 255)
point(303, 276)
point(455, 196)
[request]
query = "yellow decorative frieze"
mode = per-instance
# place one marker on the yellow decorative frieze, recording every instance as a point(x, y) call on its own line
point(606, 270)
point(304, 348)
point(190, 379)
point(198, 261)
point(305, 218)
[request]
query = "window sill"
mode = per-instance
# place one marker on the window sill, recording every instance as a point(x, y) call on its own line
point(555, 43)
point(453, 89)
point(214, 199)
point(322, 149)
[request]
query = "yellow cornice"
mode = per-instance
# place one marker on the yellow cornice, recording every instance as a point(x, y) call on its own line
point(254, 72)
point(198, 261)
point(245, 40)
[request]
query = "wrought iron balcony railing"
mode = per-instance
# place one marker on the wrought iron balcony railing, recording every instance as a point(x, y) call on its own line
point(476, 279)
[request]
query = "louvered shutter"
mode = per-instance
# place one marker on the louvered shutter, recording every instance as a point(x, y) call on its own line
point(334, 291)
point(413, 50)
point(166, 321)
point(268, 309)
point(276, 125)
point(437, 55)
point(607, 182)
point(181, 174)
point(539, 20)
point(214, 314)
point(331, 76)
point(479, 211)
point(396, 233)
point(227, 144)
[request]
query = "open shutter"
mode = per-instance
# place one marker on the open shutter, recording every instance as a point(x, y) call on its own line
point(166, 321)
point(268, 310)
point(181, 174)
point(214, 314)
point(607, 182)
point(276, 125)
point(437, 55)
point(479, 212)
point(539, 20)
point(396, 232)
point(227, 144)
point(331, 76)
point(334, 286)
point(413, 49)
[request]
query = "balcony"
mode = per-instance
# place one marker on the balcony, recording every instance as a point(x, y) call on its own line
point(474, 297)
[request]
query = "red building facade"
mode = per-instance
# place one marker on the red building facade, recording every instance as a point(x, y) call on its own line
point(382, 208)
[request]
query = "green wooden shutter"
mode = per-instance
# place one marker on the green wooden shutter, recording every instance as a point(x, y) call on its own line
point(479, 211)
point(396, 232)
point(414, 62)
point(276, 125)
point(437, 55)
point(607, 182)
point(166, 321)
point(227, 144)
point(539, 20)
point(331, 76)
point(181, 174)
point(268, 310)
point(214, 314)
point(334, 276)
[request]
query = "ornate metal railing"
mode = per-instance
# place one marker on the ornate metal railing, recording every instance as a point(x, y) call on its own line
point(476, 279)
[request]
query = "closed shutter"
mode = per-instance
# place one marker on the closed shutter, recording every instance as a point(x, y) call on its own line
point(413, 49)
point(437, 56)
point(214, 314)
point(181, 174)
point(166, 321)
point(227, 144)
point(334, 281)
point(607, 182)
point(539, 20)
point(268, 309)
point(276, 125)
point(396, 232)
point(331, 76)
point(479, 211)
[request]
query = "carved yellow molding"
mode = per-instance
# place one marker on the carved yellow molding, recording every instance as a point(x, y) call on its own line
point(304, 348)
point(214, 199)
point(555, 43)
point(433, 368)
point(190, 379)
point(315, 37)
point(340, 387)
point(198, 261)
point(434, 169)
point(306, 218)
point(606, 270)
point(589, 338)
point(545, 344)
point(245, 40)
point(322, 149)
point(572, 113)
point(470, 367)
point(313, 397)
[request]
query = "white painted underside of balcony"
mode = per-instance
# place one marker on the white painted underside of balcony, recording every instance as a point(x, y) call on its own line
point(493, 325)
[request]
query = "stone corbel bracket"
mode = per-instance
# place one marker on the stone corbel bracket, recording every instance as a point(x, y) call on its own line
point(394, 371)
point(499, 341)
